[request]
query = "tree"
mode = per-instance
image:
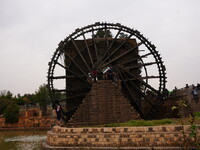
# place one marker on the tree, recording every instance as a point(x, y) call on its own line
point(11, 114)
point(43, 98)
point(6, 94)
point(4, 103)
point(123, 35)
point(103, 33)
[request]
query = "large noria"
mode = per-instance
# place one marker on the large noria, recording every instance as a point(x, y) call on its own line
point(129, 71)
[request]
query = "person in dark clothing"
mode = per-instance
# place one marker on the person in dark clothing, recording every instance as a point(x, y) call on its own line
point(195, 95)
point(110, 74)
point(58, 113)
point(94, 75)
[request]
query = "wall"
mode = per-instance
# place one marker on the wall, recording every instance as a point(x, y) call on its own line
point(27, 122)
point(119, 136)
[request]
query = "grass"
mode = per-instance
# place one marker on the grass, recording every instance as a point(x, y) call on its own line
point(135, 123)
point(171, 121)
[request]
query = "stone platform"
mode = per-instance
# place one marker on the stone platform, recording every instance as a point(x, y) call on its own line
point(151, 137)
point(104, 104)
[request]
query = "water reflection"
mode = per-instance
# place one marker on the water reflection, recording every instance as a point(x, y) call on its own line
point(20, 140)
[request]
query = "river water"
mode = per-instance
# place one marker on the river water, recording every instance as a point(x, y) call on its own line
point(22, 140)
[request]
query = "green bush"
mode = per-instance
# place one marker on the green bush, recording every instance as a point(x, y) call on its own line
point(4, 102)
point(11, 114)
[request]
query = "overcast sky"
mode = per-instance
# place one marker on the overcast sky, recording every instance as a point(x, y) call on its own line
point(30, 31)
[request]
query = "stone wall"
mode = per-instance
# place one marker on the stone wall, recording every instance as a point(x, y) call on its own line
point(27, 122)
point(119, 136)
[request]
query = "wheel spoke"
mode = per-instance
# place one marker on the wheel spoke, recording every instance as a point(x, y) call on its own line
point(73, 97)
point(76, 64)
point(113, 41)
point(107, 44)
point(138, 90)
point(131, 95)
point(70, 71)
point(95, 46)
point(59, 90)
point(104, 59)
point(77, 49)
point(88, 50)
point(123, 54)
point(134, 86)
point(142, 82)
point(142, 78)
point(140, 65)
point(134, 59)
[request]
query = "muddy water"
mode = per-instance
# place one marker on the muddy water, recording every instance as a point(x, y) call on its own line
point(22, 140)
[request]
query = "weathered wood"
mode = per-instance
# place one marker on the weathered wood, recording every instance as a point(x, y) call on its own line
point(116, 49)
point(126, 52)
point(83, 59)
point(95, 46)
point(140, 65)
point(73, 73)
point(88, 50)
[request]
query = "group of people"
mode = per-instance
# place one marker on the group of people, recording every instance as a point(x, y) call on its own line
point(106, 74)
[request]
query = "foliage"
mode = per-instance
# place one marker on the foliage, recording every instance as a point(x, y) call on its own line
point(4, 102)
point(6, 94)
point(141, 123)
point(11, 113)
point(103, 33)
point(181, 104)
point(123, 35)
point(43, 98)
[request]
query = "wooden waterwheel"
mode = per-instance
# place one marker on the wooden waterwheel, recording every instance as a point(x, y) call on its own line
point(135, 60)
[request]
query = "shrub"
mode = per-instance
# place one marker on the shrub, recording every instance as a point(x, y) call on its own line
point(4, 102)
point(11, 114)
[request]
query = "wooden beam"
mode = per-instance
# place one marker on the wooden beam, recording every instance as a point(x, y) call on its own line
point(88, 50)
point(83, 59)
point(140, 65)
point(134, 59)
point(142, 82)
point(116, 49)
point(70, 71)
point(76, 64)
point(126, 52)
point(95, 46)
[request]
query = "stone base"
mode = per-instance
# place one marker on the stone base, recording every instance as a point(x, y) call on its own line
point(150, 137)
point(47, 147)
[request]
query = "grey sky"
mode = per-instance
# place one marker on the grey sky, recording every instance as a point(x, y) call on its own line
point(31, 29)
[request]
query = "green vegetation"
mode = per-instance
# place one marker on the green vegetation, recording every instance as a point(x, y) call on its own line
point(11, 113)
point(4, 102)
point(141, 123)
point(103, 34)
point(43, 98)
point(183, 106)
point(9, 104)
